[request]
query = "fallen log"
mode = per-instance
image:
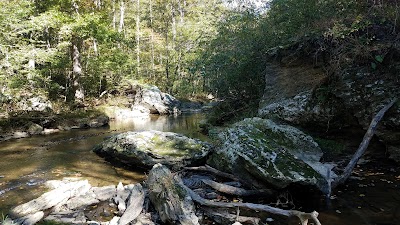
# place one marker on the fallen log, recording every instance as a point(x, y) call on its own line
point(363, 145)
point(304, 217)
point(210, 169)
point(227, 189)
point(171, 201)
point(223, 216)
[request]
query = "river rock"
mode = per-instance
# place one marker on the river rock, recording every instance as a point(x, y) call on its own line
point(269, 154)
point(147, 148)
point(35, 129)
point(154, 100)
point(171, 201)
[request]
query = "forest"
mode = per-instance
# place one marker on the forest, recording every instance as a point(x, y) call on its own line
point(257, 111)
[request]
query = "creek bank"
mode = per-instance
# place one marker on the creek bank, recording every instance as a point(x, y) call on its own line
point(138, 100)
point(327, 104)
point(29, 123)
point(147, 148)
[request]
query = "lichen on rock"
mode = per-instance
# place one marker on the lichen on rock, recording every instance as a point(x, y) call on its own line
point(147, 148)
point(269, 154)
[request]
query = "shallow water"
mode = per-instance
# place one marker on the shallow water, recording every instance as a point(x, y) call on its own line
point(25, 164)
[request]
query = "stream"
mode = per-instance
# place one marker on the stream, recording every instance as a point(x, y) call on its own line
point(370, 197)
point(25, 164)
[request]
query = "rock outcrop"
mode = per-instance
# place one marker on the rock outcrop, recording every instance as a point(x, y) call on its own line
point(269, 154)
point(147, 148)
point(350, 101)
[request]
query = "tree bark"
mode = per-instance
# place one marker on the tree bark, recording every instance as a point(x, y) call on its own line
point(138, 37)
point(152, 41)
point(77, 73)
point(122, 17)
point(363, 145)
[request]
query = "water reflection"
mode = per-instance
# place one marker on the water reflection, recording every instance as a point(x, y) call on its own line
point(25, 164)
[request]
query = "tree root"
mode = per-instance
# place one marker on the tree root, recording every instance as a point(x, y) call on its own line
point(304, 217)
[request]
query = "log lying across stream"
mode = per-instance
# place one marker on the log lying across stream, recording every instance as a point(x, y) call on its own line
point(162, 199)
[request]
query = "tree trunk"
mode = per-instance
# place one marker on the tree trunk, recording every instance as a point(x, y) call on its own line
point(114, 21)
point(363, 145)
point(77, 74)
point(138, 37)
point(122, 17)
point(152, 41)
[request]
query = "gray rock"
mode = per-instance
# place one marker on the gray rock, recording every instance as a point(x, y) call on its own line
point(266, 153)
point(155, 101)
point(37, 103)
point(35, 129)
point(99, 121)
point(171, 201)
point(148, 148)
point(20, 134)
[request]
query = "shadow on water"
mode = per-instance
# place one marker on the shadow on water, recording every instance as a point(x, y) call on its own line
point(25, 164)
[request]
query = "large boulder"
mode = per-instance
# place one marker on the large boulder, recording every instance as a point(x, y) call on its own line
point(270, 154)
point(147, 148)
point(155, 101)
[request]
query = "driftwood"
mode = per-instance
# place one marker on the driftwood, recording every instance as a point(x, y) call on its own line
point(207, 168)
point(363, 145)
point(227, 189)
point(222, 216)
point(304, 217)
point(169, 198)
point(135, 205)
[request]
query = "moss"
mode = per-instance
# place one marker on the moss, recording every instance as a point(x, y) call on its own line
point(330, 147)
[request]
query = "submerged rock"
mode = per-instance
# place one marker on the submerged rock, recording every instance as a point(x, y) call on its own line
point(270, 154)
point(147, 148)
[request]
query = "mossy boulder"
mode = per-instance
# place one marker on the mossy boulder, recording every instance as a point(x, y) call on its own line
point(147, 148)
point(269, 154)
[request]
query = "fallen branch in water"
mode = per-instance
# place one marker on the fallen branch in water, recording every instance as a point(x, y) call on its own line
point(304, 217)
point(207, 168)
point(227, 189)
point(363, 145)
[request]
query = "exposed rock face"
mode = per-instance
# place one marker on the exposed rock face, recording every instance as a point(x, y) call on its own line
point(269, 154)
point(147, 148)
point(171, 201)
point(349, 101)
point(36, 103)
